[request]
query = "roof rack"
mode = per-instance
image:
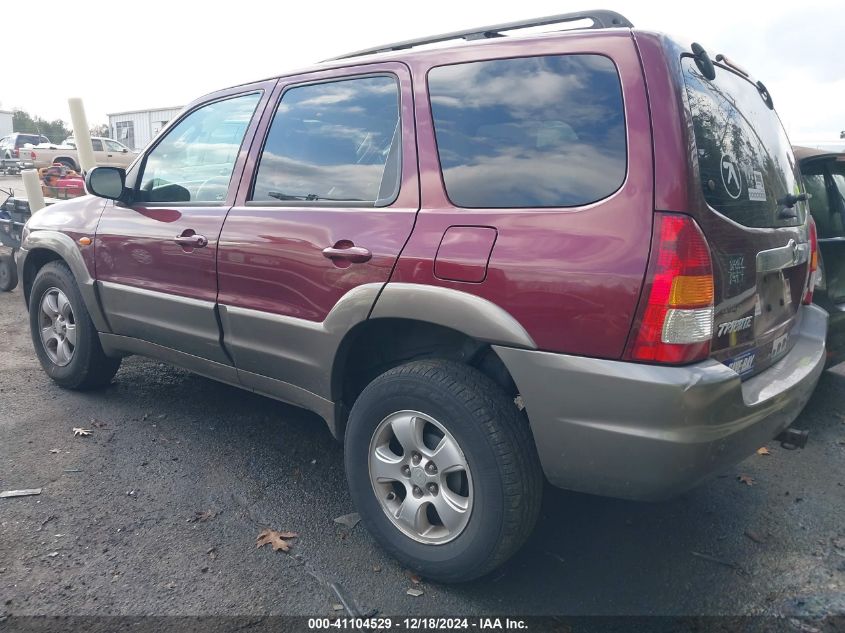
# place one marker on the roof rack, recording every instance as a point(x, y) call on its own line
point(601, 18)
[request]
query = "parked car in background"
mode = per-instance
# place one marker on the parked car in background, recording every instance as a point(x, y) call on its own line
point(824, 177)
point(107, 153)
point(480, 264)
point(11, 145)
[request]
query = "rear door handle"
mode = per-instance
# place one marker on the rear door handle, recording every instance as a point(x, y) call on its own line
point(354, 254)
point(190, 239)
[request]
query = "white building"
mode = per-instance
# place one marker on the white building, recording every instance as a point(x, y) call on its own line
point(137, 128)
point(5, 122)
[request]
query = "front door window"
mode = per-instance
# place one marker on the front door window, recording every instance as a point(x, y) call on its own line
point(194, 162)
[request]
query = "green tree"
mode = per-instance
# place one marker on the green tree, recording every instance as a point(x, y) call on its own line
point(100, 130)
point(56, 130)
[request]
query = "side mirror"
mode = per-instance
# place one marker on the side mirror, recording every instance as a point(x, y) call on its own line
point(124, 150)
point(106, 182)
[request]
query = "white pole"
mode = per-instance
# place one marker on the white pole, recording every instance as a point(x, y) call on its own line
point(34, 195)
point(81, 134)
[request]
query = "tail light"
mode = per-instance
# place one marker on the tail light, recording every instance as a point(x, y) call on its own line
point(31, 155)
point(16, 153)
point(675, 322)
point(814, 263)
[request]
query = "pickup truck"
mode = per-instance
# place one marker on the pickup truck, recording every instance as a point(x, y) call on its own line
point(107, 153)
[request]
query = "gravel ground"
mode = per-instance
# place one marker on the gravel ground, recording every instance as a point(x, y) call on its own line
point(115, 530)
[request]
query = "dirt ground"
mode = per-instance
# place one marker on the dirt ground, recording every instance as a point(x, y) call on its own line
point(157, 512)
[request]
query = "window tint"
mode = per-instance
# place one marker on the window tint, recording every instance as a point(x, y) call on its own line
point(30, 139)
point(529, 132)
point(745, 160)
point(97, 144)
point(194, 162)
point(336, 141)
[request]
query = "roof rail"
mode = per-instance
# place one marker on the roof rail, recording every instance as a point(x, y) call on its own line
point(601, 18)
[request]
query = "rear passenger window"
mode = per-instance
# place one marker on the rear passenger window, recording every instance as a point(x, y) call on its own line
point(335, 142)
point(529, 132)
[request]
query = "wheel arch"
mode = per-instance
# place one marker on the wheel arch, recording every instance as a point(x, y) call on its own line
point(414, 321)
point(67, 160)
point(44, 246)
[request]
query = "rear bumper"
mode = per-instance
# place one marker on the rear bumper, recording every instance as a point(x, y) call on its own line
point(648, 432)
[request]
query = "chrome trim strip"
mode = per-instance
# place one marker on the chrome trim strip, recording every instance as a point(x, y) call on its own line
point(775, 259)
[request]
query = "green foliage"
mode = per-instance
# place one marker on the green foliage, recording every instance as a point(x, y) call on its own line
point(56, 130)
point(101, 130)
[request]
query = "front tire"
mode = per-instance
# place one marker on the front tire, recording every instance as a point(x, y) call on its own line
point(443, 469)
point(65, 340)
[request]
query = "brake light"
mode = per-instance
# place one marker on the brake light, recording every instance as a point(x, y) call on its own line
point(31, 155)
point(15, 153)
point(814, 263)
point(675, 323)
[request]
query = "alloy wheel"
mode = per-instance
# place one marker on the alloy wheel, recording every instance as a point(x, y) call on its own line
point(421, 477)
point(57, 327)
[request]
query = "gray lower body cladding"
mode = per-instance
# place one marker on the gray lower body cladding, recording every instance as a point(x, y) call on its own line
point(649, 432)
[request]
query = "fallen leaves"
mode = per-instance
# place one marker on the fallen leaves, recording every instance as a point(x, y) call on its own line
point(278, 540)
point(763, 451)
point(349, 520)
point(79, 432)
point(202, 517)
point(748, 480)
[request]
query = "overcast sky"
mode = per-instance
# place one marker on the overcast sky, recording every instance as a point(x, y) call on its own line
point(127, 56)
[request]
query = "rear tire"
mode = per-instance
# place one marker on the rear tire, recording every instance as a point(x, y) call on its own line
point(497, 481)
point(65, 340)
point(8, 273)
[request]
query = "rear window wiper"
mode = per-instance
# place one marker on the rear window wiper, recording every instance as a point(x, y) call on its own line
point(789, 201)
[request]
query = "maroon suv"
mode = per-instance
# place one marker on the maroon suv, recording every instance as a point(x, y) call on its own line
point(583, 256)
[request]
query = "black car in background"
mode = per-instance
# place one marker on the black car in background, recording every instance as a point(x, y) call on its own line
point(824, 178)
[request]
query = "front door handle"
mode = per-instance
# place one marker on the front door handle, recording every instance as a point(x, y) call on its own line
point(354, 254)
point(189, 239)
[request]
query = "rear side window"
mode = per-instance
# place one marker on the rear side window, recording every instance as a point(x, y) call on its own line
point(744, 157)
point(529, 132)
point(335, 142)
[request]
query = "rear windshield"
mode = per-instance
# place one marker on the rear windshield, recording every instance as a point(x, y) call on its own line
point(529, 132)
point(745, 160)
point(25, 139)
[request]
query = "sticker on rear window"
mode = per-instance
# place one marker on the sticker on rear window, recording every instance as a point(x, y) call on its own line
point(757, 192)
point(742, 364)
point(730, 176)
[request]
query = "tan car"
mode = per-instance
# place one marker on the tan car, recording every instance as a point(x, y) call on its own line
point(107, 153)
